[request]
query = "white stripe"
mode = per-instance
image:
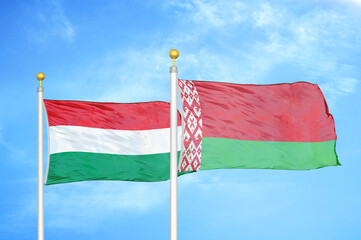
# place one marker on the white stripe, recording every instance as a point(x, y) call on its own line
point(96, 140)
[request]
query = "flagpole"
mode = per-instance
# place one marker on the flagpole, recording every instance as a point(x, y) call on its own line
point(40, 76)
point(173, 148)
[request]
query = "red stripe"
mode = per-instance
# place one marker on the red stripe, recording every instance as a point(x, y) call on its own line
point(120, 116)
point(294, 112)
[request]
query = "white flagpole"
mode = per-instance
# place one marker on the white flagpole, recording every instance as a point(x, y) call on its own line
point(173, 148)
point(40, 76)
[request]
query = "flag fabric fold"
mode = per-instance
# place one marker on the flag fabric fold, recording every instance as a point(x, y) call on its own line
point(108, 141)
point(281, 126)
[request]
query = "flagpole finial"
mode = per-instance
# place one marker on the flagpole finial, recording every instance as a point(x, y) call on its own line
point(173, 54)
point(40, 76)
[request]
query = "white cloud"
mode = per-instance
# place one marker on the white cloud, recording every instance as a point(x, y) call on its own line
point(348, 85)
point(52, 22)
point(13, 151)
point(267, 16)
point(210, 13)
point(337, 88)
point(313, 44)
point(135, 75)
point(84, 205)
point(356, 3)
point(225, 186)
point(290, 38)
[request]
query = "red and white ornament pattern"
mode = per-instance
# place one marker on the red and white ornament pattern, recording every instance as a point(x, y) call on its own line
point(192, 123)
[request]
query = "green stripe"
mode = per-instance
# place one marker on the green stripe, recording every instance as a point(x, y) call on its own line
point(218, 153)
point(81, 166)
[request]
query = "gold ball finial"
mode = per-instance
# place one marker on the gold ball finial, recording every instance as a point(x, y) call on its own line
point(40, 76)
point(173, 54)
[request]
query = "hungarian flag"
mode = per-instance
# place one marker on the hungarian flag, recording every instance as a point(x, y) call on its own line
point(281, 126)
point(108, 141)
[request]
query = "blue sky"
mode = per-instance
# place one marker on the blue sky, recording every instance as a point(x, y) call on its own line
point(118, 51)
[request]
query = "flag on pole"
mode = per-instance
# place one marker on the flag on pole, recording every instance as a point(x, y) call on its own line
point(108, 141)
point(281, 126)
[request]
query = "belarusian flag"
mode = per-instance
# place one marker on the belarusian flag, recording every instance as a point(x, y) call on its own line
point(281, 126)
point(108, 141)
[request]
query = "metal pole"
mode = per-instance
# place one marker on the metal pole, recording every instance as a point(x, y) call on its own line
point(40, 90)
point(173, 148)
